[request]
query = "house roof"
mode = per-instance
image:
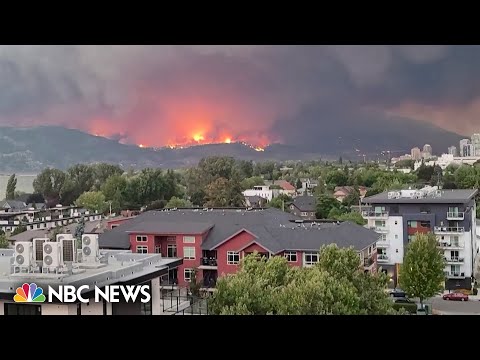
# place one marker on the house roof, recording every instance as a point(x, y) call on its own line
point(13, 204)
point(284, 184)
point(305, 203)
point(275, 230)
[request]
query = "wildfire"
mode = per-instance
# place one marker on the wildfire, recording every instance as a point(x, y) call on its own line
point(198, 137)
point(228, 140)
point(141, 146)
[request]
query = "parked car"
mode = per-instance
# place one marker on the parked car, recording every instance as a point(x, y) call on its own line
point(457, 296)
point(397, 293)
point(403, 300)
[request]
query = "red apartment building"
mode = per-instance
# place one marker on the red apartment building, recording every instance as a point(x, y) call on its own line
point(214, 241)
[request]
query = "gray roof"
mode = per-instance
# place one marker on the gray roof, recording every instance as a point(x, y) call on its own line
point(275, 230)
point(305, 203)
point(29, 235)
point(13, 204)
point(447, 197)
point(170, 227)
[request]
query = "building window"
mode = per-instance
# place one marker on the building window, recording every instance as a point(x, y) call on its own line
point(188, 274)
point(396, 222)
point(113, 226)
point(383, 237)
point(370, 250)
point(304, 213)
point(233, 258)
point(396, 236)
point(454, 240)
point(291, 256)
point(171, 250)
point(158, 249)
point(22, 309)
point(189, 239)
point(141, 238)
point(142, 249)
point(374, 246)
point(189, 252)
point(310, 258)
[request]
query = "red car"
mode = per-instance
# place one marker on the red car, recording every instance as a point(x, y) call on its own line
point(455, 297)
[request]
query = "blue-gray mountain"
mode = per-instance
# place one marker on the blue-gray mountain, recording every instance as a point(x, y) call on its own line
point(27, 150)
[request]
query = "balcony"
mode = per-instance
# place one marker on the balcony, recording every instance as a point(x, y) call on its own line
point(383, 243)
point(368, 262)
point(454, 275)
point(379, 229)
point(455, 260)
point(209, 283)
point(448, 230)
point(382, 258)
point(169, 282)
point(454, 246)
point(455, 215)
point(208, 263)
point(375, 214)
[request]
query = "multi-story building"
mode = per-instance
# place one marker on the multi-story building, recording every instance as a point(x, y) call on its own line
point(452, 150)
point(449, 214)
point(416, 153)
point(466, 147)
point(263, 191)
point(427, 151)
point(212, 242)
point(476, 144)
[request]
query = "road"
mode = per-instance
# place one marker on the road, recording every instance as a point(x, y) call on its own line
point(445, 307)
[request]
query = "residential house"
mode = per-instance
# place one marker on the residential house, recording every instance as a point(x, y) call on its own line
point(284, 187)
point(12, 206)
point(449, 214)
point(308, 185)
point(213, 241)
point(263, 191)
point(304, 207)
point(255, 201)
point(341, 192)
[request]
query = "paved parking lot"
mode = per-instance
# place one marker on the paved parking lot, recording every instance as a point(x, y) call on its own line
point(444, 307)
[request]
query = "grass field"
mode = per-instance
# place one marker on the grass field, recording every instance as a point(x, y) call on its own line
point(24, 183)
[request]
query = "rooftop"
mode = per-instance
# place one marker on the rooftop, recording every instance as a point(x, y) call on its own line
point(426, 195)
point(305, 203)
point(274, 229)
point(117, 266)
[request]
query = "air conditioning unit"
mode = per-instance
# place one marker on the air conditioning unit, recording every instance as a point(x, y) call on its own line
point(60, 237)
point(90, 249)
point(23, 255)
point(69, 249)
point(52, 255)
point(38, 249)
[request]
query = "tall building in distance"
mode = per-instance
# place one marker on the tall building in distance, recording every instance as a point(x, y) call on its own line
point(465, 147)
point(476, 144)
point(416, 153)
point(427, 151)
point(452, 150)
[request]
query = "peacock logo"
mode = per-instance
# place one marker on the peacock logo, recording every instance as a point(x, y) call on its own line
point(29, 293)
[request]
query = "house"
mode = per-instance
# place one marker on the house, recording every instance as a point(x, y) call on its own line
point(255, 201)
point(449, 214)
point(304, 207)
point(12, 206)
point(341, 192)
point(308, 185)
point(263, 191)
point(285, 187)
point(213, 241)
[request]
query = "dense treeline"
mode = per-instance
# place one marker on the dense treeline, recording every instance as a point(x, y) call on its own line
point(219, 181)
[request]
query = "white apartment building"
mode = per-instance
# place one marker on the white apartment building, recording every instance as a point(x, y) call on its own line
point(449, 214)
point(416, 153)
point(476, 144)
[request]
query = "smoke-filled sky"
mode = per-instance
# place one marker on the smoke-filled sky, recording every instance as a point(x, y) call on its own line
point(165, 95)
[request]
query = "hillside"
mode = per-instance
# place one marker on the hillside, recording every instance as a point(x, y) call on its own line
point(29, 150)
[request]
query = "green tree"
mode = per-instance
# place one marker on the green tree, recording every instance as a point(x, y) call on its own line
point(175, 202)
point(102, 172)
point(325, 204)
point(49, 184)
point(19, 229)
point(11, 186)
point(113, 185)
point(354, 217)
point(352, 199)
point(3, 242)
point(280, 202)
point(336, 285)
point(465, 177)
point(422, 272)
point(250, 182)
point(298, 184)
point(198, 198)
point(93, 201)
point(224, 193)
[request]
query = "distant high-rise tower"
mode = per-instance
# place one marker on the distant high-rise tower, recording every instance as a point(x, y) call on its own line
point(427, 151)
point(465, 147)
point(416, 153)
point(476, 144)
point(452, 150)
